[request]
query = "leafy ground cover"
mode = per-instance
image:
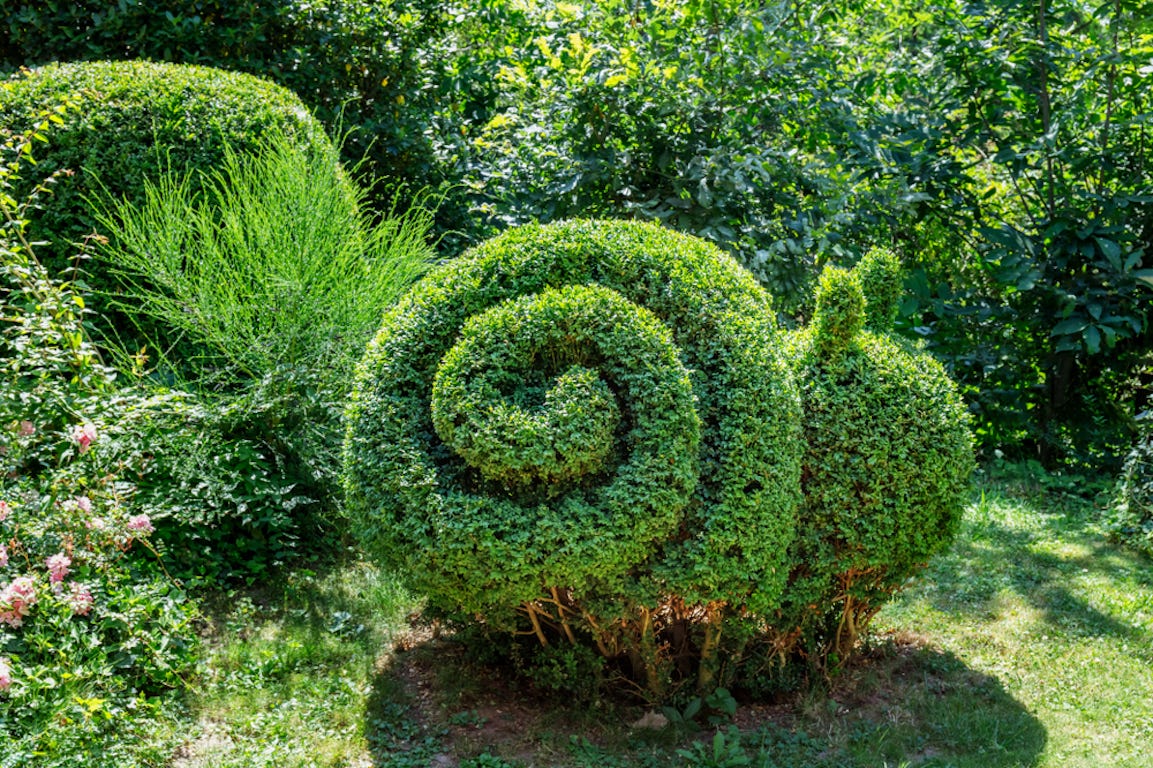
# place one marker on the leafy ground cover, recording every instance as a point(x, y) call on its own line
point(1029, 644)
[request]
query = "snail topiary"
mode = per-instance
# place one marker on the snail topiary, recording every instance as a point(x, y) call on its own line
point(592, 432)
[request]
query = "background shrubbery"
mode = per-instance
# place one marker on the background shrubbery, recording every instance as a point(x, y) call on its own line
point(357, 63)
point(1012, 180)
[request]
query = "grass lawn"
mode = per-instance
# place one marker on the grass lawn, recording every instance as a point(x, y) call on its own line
point(1029, 644)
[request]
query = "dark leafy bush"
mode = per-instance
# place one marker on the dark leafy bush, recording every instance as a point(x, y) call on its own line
point(1130, 519)
point(728, 120)
point(474, 462)
point(230, 503)
point(888, 455)
point(131, 121)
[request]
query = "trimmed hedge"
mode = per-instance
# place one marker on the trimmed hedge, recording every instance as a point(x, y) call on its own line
point(356, 64)
point(565, 335)
point(879, 271)
point(888, 455)
point(129, 121)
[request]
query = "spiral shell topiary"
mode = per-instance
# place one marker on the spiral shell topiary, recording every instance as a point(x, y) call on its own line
point(597, 406)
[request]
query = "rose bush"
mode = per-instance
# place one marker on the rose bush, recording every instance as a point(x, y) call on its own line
point(94, 635)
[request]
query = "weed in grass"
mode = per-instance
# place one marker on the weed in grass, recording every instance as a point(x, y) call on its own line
point(468, 719)
point(397, 740)
point(582, 753)
point(724, 750)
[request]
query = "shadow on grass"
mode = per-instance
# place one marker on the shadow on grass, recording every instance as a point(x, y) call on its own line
point(1008, 546)
point(906, 702)
point(902, 703)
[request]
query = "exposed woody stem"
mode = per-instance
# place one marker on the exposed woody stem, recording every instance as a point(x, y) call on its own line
point(707, 673)
point(599, 636)
point(560, 610)
point(648, 653)
point(536, 628)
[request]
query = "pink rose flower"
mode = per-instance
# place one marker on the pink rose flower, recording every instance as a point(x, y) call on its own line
point(3, 556)
point(5, 674)
point(27, 428)
point(84, 435)
point(140, 523)
point(80, 599)
point(15, 601)
point(4, 510)
point(58, 567)
point(84, 504)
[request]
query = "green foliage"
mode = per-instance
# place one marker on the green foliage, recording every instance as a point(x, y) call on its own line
point(94, 635)
point(134, 120)
point(357, 64)
point(263, 289)
point(498, 342)
point(576, 672)
point(485, 760)
point(270, 260)
point(1130, 518)
point(728, 120)
point(724, 750)
point(228, 503)
point(888, 455)
point(880, 274)
point(1037, 302)
point(840, 313)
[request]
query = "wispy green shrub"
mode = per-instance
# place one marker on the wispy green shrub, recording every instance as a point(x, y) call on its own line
point(258, 286)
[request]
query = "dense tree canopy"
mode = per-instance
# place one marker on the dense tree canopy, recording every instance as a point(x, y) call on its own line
point(999, 149)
